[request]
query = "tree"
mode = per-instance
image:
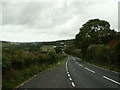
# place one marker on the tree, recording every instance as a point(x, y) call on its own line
point(94, 31)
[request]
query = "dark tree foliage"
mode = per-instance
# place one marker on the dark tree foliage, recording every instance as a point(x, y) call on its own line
point(94, 31)
point(58, 49)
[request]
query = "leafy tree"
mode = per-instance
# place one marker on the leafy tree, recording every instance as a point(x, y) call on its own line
point(94, 31)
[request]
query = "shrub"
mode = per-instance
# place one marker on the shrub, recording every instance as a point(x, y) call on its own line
point(58, 50)
point(53, 56)
point(98, 53)
point(6, 61)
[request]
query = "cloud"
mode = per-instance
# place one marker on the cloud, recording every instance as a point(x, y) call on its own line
point(0, 14)
point(48, 21)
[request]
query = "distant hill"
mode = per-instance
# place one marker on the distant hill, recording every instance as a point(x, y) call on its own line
point(55, 43)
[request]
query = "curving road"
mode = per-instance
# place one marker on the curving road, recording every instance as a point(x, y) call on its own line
point(75, 74)
point(85, 75)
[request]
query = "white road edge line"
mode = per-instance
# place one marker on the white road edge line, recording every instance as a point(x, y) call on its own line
point(77, 62)
point(111, 80)
point(80, 65)
point(73, 59)
point(66, 67)
point(66, 64)
point(89, 70)
point(73, 84)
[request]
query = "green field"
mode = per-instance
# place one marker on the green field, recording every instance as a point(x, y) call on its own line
point(47, 47)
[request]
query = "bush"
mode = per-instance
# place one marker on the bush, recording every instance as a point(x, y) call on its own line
point(104, 56)
point(97, 53)
point(19, 65)
point(58, 50)
point(115, 55)
point(6, 62)
point(53, 56)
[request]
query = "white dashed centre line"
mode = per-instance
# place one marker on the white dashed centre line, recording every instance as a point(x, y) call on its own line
point(68, 75)
point(70, 79)
point(89, 70)
point(111, 80)
point(73, 59)
point(73, 84)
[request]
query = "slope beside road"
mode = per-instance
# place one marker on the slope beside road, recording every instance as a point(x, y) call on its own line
point(75, 74)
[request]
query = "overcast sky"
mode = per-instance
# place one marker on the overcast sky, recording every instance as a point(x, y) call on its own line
point(50, 21)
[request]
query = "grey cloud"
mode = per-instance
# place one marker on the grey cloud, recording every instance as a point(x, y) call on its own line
point(20, 13)
point(45, 21)
point(41, 14)
point(0, 14)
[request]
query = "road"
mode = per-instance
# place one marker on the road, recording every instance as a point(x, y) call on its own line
point(75, 74)
point(88, 76)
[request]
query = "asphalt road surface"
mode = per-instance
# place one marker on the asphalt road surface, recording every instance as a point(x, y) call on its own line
point(75, 74)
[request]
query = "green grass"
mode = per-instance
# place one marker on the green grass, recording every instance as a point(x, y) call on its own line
point(46, 47)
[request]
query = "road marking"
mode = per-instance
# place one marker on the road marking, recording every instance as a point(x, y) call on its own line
point(73, 84)
point(111, 80)
point(89, 70)
point(103, 68)
point(77, 62)
point(66, 64)
point(115, 72)
point(70, 79)
point(73, 59)
point(80, 65)
point(66, 67)
point(68, 75)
